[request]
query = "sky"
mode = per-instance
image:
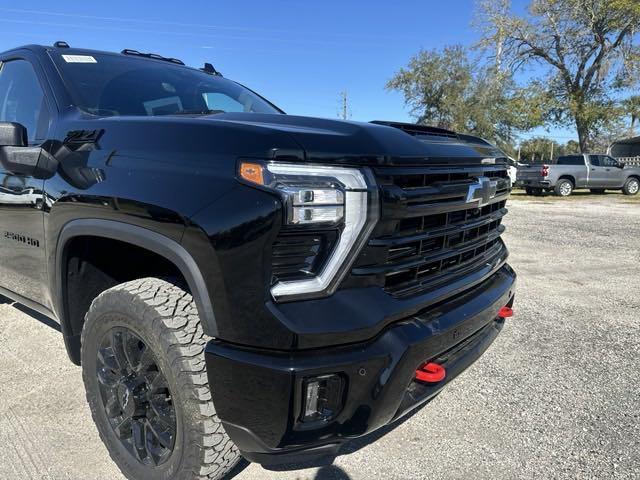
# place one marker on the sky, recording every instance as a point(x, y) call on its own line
point(299, 54)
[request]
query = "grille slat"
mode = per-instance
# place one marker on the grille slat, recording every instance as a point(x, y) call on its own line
point(491, 171)
point(439, 255)
point(405, 210)
point(428, 233)
point(436, 232)
point(410, 287)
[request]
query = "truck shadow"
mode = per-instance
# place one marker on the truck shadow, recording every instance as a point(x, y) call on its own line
point(328, 471)
point(331, 472)
point(32, 313)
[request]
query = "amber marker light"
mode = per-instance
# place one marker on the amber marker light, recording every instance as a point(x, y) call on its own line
point(252, 172)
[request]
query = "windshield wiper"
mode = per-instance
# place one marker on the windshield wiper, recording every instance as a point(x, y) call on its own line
point(194, 111)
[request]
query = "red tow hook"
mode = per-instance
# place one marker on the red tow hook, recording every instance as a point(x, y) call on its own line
point(431, 373)
point(505, 312)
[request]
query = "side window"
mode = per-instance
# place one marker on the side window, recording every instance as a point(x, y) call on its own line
point(607, 161)
point(571, 160)
point(595, 160)
point(22, 99)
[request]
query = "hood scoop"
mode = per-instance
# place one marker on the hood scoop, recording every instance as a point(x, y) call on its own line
point(434, 133)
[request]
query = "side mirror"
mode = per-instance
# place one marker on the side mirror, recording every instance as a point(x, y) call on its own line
point(13, 135)
point(621, 164)
point(19, 158)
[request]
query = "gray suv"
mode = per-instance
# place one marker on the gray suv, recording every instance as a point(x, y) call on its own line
point(593, 171)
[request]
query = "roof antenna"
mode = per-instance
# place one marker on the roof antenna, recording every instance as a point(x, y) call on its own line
point(210, 69)
point(61, 44)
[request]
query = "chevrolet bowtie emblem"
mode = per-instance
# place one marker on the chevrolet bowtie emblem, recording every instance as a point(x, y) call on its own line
point(482, 191)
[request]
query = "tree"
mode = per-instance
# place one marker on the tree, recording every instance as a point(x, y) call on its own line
point(435, 85)
point(571, 147)
point(537, 149)
point(631, 108)
point(450, 89)
point(541, 148)
point(588, 48)
point(545, 149)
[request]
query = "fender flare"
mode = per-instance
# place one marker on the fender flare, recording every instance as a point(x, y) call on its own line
point(140, 237)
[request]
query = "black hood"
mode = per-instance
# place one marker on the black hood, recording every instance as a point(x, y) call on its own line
point(279, 136)
point(346, 141)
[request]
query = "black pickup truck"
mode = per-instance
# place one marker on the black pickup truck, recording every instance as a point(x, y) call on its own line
point(235, 280)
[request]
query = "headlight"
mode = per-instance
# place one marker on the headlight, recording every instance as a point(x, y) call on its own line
point(322, 197)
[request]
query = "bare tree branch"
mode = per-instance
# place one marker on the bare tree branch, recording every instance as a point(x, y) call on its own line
point(588, 46)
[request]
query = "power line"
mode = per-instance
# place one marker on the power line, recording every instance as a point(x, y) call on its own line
point(198, 25)
point(297, 41)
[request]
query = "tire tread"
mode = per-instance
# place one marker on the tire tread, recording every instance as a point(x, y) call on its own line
point(171, 311)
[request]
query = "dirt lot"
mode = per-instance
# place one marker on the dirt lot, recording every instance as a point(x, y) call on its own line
point(556, 396)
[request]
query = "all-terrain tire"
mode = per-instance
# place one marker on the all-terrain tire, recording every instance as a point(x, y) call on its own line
point(631, 186)
point(164, 317)
point(563, 188)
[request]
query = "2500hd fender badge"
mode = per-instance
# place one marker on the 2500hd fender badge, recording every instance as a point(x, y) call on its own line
point(32, 242)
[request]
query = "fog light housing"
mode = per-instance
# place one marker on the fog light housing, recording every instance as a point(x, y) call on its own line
point(322, 398)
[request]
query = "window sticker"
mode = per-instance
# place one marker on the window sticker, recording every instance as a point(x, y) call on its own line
point(163, 106)
point(79, 59)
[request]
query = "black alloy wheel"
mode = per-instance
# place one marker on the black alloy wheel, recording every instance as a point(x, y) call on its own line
point(135, 396)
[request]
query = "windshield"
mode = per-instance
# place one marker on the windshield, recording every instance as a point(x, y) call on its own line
point(112, 84)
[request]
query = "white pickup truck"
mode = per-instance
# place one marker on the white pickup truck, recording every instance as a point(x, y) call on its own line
point(589, 171)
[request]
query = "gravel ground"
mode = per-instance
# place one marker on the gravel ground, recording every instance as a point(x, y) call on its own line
point(556, 396)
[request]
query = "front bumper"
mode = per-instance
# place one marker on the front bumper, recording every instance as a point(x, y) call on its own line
point(258, 394)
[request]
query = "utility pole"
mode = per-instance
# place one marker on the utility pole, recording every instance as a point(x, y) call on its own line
point(551, 158)
point(344, 113)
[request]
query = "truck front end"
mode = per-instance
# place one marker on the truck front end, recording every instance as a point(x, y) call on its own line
point(386, 277)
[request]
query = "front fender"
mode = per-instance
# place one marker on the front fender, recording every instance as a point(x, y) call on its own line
point(141, 237)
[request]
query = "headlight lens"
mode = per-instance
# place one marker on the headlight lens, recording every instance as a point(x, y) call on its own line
point(313, 205)
point(322, 197)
